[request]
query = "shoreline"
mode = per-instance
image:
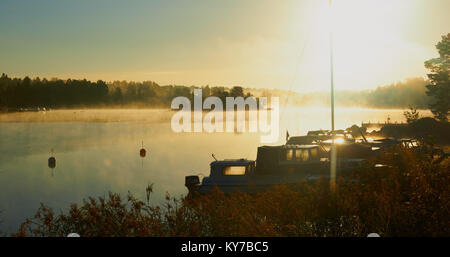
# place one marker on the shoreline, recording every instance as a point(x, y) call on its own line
point(149, 107)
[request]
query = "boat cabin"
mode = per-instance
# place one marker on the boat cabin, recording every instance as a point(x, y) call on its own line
point(224, 172)
point(277, 158)
point(230, 171)
point(232, 167)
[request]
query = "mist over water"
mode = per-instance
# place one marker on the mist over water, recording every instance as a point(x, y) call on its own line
point(97, 151)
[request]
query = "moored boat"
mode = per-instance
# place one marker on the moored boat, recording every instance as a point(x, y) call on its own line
point(275, 165)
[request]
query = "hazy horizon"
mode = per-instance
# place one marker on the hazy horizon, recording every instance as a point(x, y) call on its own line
point(293, 90)
point(253, 44)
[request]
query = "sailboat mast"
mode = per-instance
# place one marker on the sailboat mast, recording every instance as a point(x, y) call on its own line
point(333, 159)
point(331, 73)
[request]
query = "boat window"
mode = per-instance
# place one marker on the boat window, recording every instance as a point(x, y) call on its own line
point(314, 154)
point(298, 154)
point(302, 155)
point(289, 154)
point(305, 155)
point(234, 170)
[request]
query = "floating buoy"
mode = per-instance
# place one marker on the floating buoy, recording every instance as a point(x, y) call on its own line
point(52, 162)
point(142, 152)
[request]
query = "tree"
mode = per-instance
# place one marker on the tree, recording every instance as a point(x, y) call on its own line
point(117, 96)
point(412, 115)
point(237, 91)
point(439, 76)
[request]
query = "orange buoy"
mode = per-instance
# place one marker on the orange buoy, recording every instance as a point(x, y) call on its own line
point(142, 152)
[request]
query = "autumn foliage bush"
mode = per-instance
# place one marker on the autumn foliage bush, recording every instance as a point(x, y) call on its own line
point(409, 198)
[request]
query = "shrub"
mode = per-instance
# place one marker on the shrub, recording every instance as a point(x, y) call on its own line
point(411, 198)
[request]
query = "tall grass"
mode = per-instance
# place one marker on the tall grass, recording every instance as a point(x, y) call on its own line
point(410, 198)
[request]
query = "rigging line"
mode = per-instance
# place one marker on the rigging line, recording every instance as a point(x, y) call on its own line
point(299, 58)
point(294, 78)
point(302, 51)
point(309, 79)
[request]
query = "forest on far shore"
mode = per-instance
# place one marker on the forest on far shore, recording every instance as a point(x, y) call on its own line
point(16, 93)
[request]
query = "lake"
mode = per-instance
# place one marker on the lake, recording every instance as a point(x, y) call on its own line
point(97, 151)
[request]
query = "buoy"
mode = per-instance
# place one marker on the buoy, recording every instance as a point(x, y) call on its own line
point(52, 162)
point(142, 152)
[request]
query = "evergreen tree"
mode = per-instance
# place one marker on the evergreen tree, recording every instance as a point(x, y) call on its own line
point(439, 76)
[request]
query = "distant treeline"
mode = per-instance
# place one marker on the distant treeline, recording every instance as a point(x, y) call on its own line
point(25, 93)
point(410, 92)
point(16, 93)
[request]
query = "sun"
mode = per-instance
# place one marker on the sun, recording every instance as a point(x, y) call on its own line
point(365, 34)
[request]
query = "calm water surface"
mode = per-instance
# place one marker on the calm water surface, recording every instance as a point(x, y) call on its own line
point(97, 151)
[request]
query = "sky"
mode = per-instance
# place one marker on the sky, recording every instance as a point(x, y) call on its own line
point(282, 44)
